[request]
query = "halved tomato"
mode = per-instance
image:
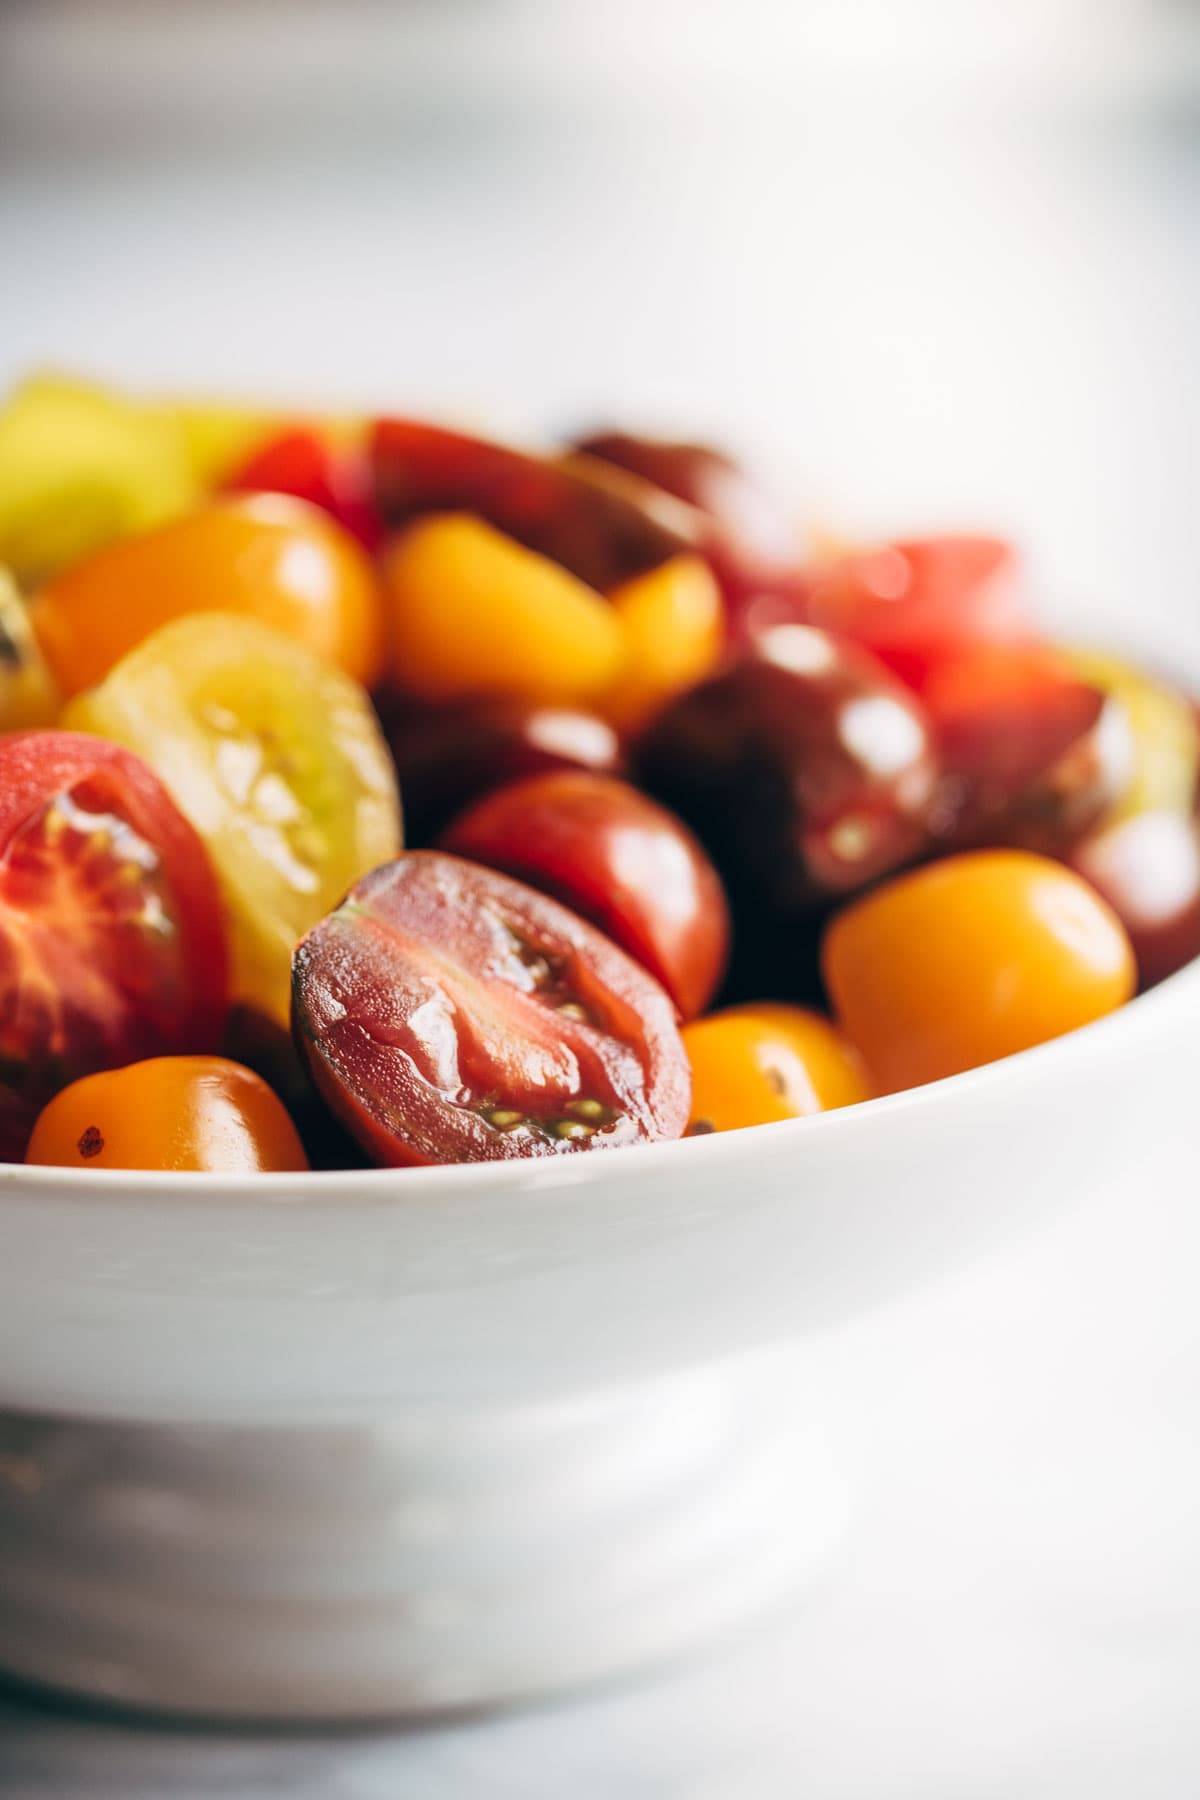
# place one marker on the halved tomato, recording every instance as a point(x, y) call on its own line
point(599, 522)
point(111, 942)
point(450, 1014)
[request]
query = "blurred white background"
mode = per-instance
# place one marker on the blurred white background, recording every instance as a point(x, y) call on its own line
point(936, 261)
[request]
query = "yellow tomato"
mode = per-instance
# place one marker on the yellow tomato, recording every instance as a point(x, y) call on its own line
point(752, 1065)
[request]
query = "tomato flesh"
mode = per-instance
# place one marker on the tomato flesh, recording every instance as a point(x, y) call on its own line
point(449, 1014)
point(111, 940)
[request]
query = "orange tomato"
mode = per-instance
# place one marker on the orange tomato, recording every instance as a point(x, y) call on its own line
point(275, 558)
point(673, 620)
point(970, 959)
point(755, 1064)
point(471, 611)
point(171, 1113)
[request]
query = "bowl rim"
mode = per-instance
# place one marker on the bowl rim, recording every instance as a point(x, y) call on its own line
point(392, 1186)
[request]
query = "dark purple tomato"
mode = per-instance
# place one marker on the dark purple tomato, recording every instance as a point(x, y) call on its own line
point(805, 768)
point(1147, 867)
point(447, 756)
point(449, 1014)
point(749, 539)
point(618, 858)
point(601, 523)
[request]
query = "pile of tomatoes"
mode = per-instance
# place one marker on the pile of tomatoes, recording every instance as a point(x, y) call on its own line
point(373, 791)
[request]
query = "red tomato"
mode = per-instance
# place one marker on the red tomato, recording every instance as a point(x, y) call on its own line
point(600, 523)
point(619, 859)
point(449, 1014)
point(448, 755)
point(1032, 754)
point(335, 477)
point(112, 946)
point(1147, 866)
point(917, 602)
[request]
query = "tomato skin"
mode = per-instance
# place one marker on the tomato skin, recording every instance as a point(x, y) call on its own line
point(304, 463)
point(265, 555)
point(447, 756)
point(1032, 754)
point(618, 859)
point(195, 1113)
point(449, 1014)
point(970, 959)
point(600, 523)
point(805, 768)
point(112, 943)
point(754, 1065)
point(671, 618)
point(919, 601)
point(1147, 866)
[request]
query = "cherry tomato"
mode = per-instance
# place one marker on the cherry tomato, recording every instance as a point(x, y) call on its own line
point(920, 601)
point(970, 959)
point(752, 1065)
point(80, 466)
point(172, 1113)
point(270, 557)
point(449, 1014)
point(28, 695)
point(805, 768)
point(1032, 754)
point(673, 625)
point(447, 756)
point(277, 759)
point(473, 612)
point(111, 945)
point(311, 466)
point(748, 539)
point(1147, 866)
point(600, 523)
point(1165, 733)
point(617, 858)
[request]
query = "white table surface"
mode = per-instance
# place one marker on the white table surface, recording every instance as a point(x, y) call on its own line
point(986, 311)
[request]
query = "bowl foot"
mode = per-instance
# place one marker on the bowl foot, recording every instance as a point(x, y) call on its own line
point(443, 1561)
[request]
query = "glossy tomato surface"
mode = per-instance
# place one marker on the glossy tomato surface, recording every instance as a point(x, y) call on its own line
point(617, 857)
point(176, 1113)
point(450, 1014)
point(111, 938)
point(600, 523)
point(970, 959)
point(919, 601)
point(267, 556)
point(1147, 866)
point(309, 465)
point(805, 767)
point(447, 756)
point(754, 1065)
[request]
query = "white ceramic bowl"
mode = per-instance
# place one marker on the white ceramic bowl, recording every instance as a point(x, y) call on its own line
point(382, 1442)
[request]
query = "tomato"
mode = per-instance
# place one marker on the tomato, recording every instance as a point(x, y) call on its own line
point(449, 1014)
point(267, 556)
point(673, 630)
point(1147, 866)
point(1165, 734)
point(617, 858)
point(752, 1065)
point(747, 537)
point(278, 761)
point(970, 959)
point(79, 466)
point(28, 695)
point(1032, 753)
point(473, 612)
point(805, 768)
point(172, 1113)
point(447, 756)
point(311, 466)
point(601, 524)
point(919, 601)
point(111, 945)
